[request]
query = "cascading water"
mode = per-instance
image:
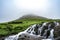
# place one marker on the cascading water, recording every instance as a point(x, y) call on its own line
point(44, 31)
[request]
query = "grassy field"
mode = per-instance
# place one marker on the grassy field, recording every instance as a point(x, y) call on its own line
point(17, 26)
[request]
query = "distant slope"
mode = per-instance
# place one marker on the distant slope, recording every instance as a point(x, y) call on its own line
point(30, 17)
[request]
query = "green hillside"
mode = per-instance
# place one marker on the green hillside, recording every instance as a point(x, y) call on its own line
point(21, 24)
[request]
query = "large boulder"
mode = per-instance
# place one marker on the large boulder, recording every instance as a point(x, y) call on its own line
point(57, 31)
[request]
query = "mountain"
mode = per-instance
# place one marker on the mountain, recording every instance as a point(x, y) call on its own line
point(21, 24)
point(31, 17)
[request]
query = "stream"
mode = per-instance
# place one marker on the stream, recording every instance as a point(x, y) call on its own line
point(36, 32)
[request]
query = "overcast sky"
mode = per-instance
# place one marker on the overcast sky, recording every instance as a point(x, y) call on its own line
point(13, 9)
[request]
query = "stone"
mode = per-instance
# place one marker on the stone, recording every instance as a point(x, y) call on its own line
point(57, 31)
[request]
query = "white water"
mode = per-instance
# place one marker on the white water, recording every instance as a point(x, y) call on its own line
point(51, 33)
point(30, 32)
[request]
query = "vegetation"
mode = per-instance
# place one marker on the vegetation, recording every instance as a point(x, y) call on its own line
point(19, 25)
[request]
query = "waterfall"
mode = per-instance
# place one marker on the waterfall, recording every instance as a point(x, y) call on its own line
point(36, 31)
point(13, 37)
point(51, 33)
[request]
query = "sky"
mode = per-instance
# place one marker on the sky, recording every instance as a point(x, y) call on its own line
point(14, 9)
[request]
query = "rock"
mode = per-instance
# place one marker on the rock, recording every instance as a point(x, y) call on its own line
point(2, 38)
point(57, 31)
point(58, 38)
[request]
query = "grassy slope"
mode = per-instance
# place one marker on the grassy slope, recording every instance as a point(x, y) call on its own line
point(12, 28)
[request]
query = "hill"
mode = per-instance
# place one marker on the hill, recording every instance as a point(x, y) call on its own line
point(20, 24)
point(30, 17)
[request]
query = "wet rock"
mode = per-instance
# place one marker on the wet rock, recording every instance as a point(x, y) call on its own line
point(58, 38)
point(36, 30)
point(57, 31)
point(2, 38)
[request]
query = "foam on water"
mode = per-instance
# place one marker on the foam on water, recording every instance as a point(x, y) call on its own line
point(46, 39)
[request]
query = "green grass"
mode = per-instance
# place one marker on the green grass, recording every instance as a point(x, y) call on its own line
point(8, 29)
point(3, 32)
